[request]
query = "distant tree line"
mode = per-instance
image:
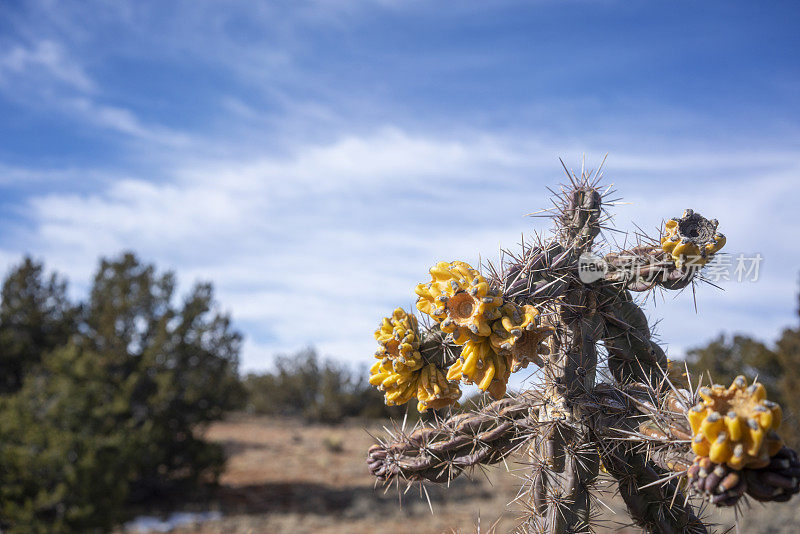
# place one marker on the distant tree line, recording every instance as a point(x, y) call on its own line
point(320, 390)
point(102, 402)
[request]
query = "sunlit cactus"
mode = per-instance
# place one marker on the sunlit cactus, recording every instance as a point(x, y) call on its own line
point(603, 402)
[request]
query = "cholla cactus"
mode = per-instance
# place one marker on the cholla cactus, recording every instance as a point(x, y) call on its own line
point(605, 396)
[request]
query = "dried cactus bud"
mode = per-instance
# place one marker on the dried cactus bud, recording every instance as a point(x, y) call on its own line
point(718, 483)
point(745, 436)
point(519, 334)
point(480, 364)
point(692, 239)
point(459, 298)
point(722, 485)
point(778, 481)
point(399, 340)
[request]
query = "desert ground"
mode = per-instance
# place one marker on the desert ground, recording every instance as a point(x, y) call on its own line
point(285, 475)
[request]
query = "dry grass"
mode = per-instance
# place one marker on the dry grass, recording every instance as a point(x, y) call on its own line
point(288, 476)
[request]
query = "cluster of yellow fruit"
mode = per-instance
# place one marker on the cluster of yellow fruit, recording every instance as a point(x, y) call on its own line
point(498, 336)
point(736, 425)
point(402, 373)
point(696, 248)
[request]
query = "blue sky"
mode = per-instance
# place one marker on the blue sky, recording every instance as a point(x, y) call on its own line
point(314, 158)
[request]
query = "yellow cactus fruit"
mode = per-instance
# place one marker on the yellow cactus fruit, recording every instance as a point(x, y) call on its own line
point(434, 391)
point(402, 373)
point(398, 339)
point(480, 364)
point(460, 300)
point(691, 240)
point(736, 425)
point(398, 387)
point(519, 333)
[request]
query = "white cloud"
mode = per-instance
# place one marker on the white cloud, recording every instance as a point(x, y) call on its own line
point(44, 59)
point(121, 120)
point(313, 247)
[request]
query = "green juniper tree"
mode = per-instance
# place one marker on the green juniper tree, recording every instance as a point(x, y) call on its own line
point(177, 366)
point(66, 455)
point(115, 408)
point(321, 390)
point(788, 355)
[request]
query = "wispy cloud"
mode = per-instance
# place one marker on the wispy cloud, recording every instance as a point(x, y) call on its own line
point(123, 121)
point(43, 60)
point(45, 74)
point(315, 246)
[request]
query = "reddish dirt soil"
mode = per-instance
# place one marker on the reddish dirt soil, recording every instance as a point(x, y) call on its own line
point(288, 476)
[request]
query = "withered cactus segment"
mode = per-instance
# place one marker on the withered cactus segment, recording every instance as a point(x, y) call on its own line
point(686, 245)
point(561, 493)
point(565, 466)
point(736, 425)
point(633, 355)
point(722, 485)
point(537, 275)
point(692, 239)
point(646, 267)
point(579, 223)
point(609, 411)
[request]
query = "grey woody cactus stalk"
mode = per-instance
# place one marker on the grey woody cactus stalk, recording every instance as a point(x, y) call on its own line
point(559, 305)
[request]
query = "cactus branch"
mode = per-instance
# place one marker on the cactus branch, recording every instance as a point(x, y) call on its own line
point(441, 452)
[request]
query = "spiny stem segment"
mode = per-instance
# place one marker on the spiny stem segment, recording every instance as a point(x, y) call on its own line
point(440, 452)
point(654, 506)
